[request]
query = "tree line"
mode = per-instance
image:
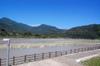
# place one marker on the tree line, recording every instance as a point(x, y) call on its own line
point(84, 32)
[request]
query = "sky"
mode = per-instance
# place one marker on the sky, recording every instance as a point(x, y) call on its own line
point(59, 13)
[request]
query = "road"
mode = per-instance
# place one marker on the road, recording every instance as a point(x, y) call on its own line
point(28, 51)
point(67, 44)
point(67, 60)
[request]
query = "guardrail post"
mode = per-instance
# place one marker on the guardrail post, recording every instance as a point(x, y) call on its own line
point(78, 49)
point(0, 61)
point(70, 51)
point(42, 55)
point(25, 58)
point(74, 50)
point(61, 53)
point(49, 54)
point(56, 54)
point(13, 60)
point(99, 47)
point(88, 48)
point(91, 48)
point(65, 52)
point(84, 49)
point(95, 47)
point(81, 49)
point(34, 57)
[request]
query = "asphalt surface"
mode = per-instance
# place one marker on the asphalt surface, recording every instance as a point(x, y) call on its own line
point(28, 51)
point(66, 45)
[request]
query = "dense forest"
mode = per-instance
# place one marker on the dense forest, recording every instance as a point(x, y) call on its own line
point(11, 28)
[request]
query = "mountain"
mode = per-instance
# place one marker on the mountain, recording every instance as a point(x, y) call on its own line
point(46, 29)
point(10, 26)
point(88, 31)
point(13, 26)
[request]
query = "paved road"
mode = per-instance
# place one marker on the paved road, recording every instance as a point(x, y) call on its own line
point(58, 45)
point(28, 51)
point(67, 60)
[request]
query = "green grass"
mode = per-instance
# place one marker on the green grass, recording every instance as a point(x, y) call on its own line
point(92, 62)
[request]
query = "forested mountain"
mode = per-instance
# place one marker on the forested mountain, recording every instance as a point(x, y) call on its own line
point(46, 29)
point(11, 28)
point(88, 31)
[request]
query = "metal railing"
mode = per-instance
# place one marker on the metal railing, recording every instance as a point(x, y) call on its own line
point(37, 57)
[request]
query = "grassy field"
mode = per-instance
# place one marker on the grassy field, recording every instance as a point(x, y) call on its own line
point(49, 42)
point(92, 62)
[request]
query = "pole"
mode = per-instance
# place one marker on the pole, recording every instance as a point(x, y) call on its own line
point(8, 50)
point(0, 61)
point(8, 53)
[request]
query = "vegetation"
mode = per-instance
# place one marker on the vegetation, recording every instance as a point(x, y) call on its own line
point(89, 32)
point(10, 28)
point(92, 62)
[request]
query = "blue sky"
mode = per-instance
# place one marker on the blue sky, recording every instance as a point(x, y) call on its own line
point(59, 13)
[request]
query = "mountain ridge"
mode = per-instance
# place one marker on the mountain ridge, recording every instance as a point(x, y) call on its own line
point(13, 26)
point(9, 27)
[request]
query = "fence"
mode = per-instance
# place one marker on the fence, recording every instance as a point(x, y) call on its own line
point(41, 56)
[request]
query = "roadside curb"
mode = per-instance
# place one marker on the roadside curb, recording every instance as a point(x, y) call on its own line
point(86, 58)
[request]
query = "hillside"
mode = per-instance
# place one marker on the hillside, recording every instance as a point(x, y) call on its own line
point(13, 26)
point(9, 27)
point(46, 29)
point(88, 31)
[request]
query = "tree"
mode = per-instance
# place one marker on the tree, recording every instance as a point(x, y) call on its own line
point(3, 32)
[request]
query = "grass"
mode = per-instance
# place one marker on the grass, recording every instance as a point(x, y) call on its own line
point(92, 62)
